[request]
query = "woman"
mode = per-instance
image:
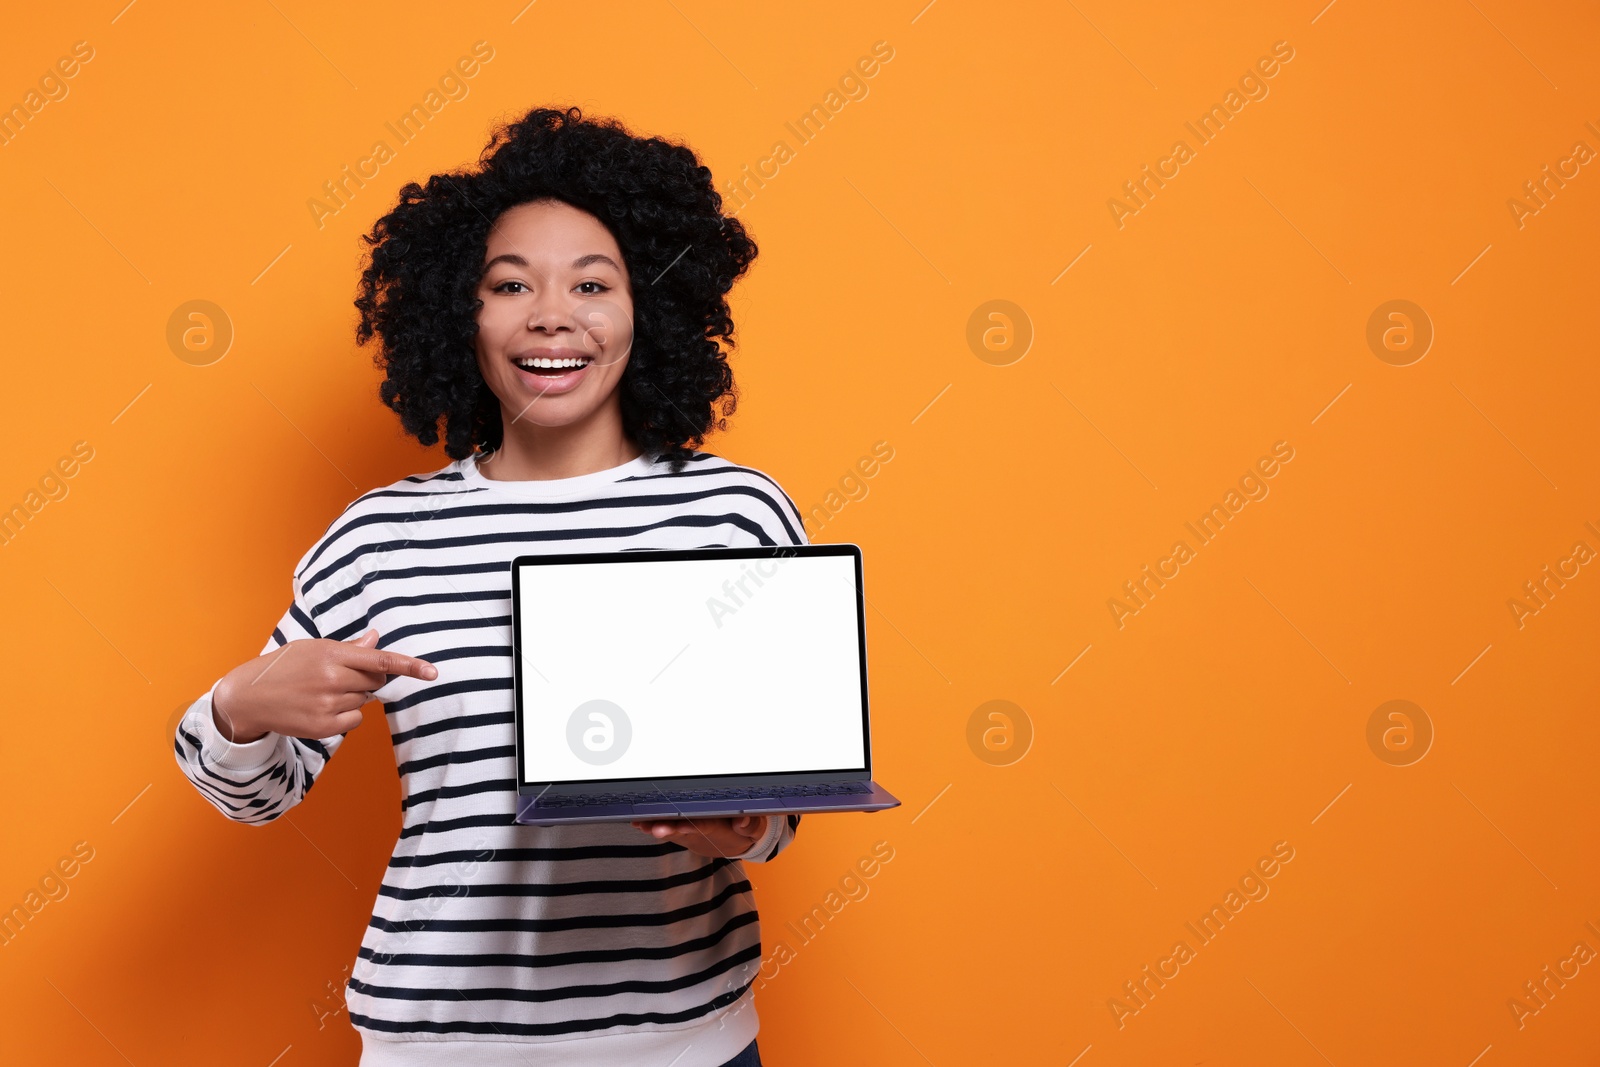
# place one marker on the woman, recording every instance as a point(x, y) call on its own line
point(559, 308)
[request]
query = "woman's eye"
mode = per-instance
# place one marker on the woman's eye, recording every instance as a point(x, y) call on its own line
point(599, 286)
point(501, 288)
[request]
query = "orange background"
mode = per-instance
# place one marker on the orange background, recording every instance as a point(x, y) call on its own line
point(1228, 314)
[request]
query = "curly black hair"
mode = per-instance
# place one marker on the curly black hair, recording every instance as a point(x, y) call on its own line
point(418, 289)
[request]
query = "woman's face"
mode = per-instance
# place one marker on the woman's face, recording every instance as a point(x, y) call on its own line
point(554, 288)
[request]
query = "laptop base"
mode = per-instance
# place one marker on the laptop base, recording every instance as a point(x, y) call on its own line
point(873, 797)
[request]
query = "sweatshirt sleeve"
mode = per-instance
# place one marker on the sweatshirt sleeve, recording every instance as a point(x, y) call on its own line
point(257, 781)
point(780, 832)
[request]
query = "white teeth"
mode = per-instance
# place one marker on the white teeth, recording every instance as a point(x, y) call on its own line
point(552, 364)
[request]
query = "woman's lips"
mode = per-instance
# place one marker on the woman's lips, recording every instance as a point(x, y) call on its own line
point(551, 382)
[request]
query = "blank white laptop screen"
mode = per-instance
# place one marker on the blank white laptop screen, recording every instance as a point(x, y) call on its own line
point(653, 669)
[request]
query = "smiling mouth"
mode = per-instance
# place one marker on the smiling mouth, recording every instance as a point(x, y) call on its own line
point(545, 367)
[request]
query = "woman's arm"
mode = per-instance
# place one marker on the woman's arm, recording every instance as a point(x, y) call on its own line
point(292, 706)
point(253, 782)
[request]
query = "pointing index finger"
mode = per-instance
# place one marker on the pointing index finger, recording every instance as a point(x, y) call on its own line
point(384, 661)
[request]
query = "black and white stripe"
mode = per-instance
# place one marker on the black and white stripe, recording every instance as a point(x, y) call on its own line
point(485, 932)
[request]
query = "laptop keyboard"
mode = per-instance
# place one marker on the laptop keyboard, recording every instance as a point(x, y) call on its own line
point(812, 789)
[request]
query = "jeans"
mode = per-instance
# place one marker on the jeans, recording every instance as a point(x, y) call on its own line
point(750, 1057)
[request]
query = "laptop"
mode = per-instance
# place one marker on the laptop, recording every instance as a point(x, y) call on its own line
point(691, 683)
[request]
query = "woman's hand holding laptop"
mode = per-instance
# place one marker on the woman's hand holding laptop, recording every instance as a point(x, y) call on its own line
point(727, 836)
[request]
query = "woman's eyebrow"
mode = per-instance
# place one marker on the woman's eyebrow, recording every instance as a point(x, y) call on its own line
point(577, 264)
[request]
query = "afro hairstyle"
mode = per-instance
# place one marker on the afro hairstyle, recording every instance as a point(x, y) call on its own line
point(425, 260)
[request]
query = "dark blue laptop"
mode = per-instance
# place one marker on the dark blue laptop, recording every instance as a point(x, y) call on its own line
point(691, 683)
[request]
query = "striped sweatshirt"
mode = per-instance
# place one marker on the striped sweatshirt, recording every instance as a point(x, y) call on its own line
point(492, 943)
